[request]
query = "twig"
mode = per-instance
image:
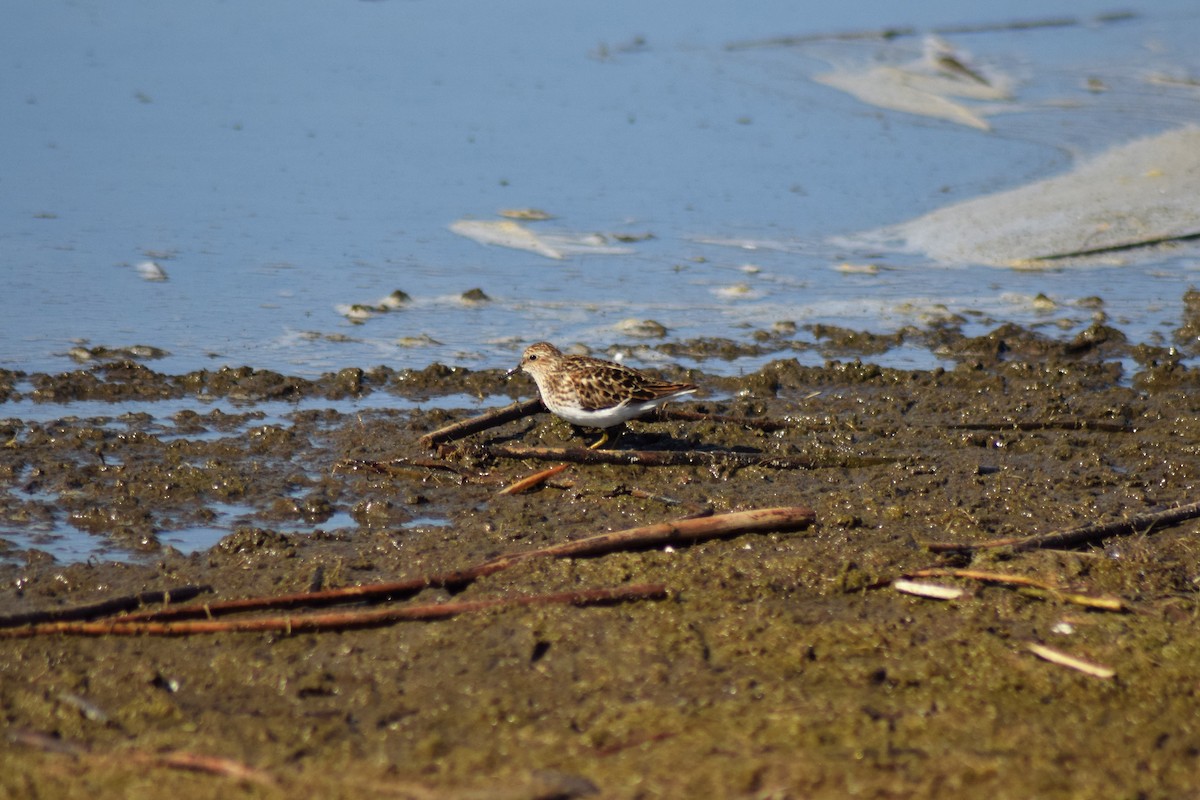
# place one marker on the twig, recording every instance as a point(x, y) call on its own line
point(530, 481)
point(766, 520)
point(676, 458)
point(212, 765)
point(1087, 601)
point(1105, 426)
point(399, 467)
point(1084, 534)
point(943, 30)
point(105, 607)
point(44, 742)
point(929, 590)
point(173, 759)
point(980, 575)
point(684, 531)
point(636, 740)
point(490, 419)
point(1064, 660)
point(316, 623)
point(1032, 586)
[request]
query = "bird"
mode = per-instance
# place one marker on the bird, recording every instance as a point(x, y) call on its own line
point(593, 393)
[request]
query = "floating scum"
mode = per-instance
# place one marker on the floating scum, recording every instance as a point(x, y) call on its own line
point(1140, 193)
point(506, 233)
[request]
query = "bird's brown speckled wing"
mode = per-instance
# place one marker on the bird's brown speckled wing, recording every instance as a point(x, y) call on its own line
point(603, 384)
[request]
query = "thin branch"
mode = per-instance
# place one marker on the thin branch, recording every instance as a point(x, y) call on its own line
point(1037, 588)
point(1103, 425)
point(172, 759)
point(930, 590)
point(1085, 600)
point(1084, 534)
point(211, 765)
point(1064, 660)
point(530, 481)
point(338, 621)
point(105, 607)
point(677, 458)
point(399, 467)
point(887, 34)
point(490, 419)
point(683, 531)
point(980, 575)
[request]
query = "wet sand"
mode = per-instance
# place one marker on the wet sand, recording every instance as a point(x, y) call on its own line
point(778, 665)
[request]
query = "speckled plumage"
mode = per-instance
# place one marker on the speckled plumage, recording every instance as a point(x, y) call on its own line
point(591, 392)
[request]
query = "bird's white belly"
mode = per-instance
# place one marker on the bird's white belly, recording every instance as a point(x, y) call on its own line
point(603, 418)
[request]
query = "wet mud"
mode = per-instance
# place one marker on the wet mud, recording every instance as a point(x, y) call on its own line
point(779, 665)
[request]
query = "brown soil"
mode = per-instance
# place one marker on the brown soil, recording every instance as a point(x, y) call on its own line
point(781, 665)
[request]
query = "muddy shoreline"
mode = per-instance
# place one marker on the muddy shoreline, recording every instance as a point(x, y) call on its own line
point(779, 665)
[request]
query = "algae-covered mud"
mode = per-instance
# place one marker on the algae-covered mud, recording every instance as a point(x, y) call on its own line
point(778, 665)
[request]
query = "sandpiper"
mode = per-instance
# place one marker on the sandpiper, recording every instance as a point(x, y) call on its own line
point(593, 393)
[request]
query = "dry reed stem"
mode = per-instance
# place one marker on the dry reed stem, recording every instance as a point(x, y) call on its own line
point(1064, 660)
point(337, 621)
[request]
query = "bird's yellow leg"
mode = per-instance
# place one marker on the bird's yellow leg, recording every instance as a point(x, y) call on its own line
point(599, 442)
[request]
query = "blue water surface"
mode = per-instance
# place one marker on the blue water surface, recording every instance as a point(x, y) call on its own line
point(281, 161)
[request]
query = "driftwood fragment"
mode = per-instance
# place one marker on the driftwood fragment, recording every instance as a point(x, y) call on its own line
point(1083, 534)
point(1034, 586)
point(1102, 425)
point(682, 531)
point(142, 759)
point(530, 481)
point(1064, 660)
point(489, 419)
point(337, 621)
point(930, 590)
point(500, 416)
point(105, 607)
point(678, 458)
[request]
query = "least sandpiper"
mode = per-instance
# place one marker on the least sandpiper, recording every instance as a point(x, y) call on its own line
point(593, 393)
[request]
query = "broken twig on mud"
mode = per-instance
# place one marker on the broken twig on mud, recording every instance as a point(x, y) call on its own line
point(530, 481)
point(678, 458)
point(1064, 660)
point(143, 759)
point(1084, 534)
point(104, 608)
point(680, 531)
point(490, 419)
point(1039, 587)
point(338, 621)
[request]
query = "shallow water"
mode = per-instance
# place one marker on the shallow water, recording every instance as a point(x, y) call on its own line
point(281, 162)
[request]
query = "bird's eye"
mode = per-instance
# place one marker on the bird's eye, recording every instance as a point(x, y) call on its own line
point(533, 358)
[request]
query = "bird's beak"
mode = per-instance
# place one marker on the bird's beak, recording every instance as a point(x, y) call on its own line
point(513, 371)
